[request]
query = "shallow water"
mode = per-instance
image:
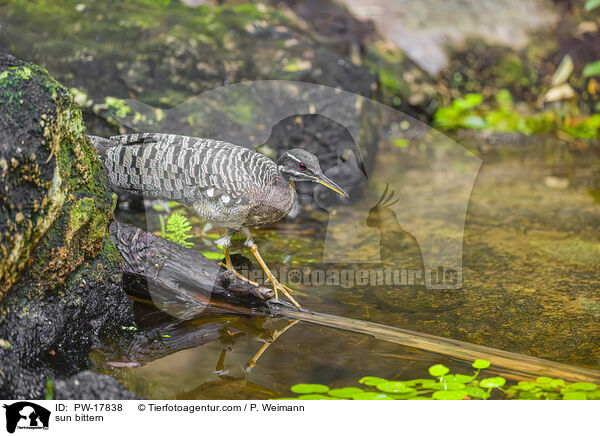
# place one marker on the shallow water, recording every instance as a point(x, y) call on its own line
point(531, 256)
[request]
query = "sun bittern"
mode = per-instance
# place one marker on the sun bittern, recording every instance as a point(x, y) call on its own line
point(230, 186)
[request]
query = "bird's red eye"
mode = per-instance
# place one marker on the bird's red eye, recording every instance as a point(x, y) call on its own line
point(302, 167)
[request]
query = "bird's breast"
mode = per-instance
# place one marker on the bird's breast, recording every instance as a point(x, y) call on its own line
point(275, 203)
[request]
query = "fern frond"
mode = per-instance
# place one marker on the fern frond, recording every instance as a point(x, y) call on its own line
point(179, 230)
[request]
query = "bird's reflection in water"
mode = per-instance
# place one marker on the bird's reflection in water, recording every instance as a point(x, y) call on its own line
point(160, 335)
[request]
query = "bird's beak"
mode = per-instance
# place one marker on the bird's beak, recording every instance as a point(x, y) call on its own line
point(331, 185)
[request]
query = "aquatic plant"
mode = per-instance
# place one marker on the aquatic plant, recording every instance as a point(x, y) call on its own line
point(592, 4)
point(445, 386)
point(500, 115)
point(178, 230)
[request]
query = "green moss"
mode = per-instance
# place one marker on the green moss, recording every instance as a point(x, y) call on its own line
point(112, 253)
point(73, 225)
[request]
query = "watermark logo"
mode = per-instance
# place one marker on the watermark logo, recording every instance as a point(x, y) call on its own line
point(25, 415)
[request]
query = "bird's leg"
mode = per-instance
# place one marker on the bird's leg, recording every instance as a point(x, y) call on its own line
point(276, 285)
point(225, 242)
point(252, 362)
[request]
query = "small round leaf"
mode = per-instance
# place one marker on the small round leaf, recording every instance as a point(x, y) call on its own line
point(371, 381)
point(575, 395)
point(315, 397)
point(371, 396)
point(394, 387)
point(449, 395)
point(492, 382)
point(345, 392)
point(306, 388)
point(481, 364)
point(438, 370)
point(583, 386)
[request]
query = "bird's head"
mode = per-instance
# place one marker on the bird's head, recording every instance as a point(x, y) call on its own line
point(301, 166)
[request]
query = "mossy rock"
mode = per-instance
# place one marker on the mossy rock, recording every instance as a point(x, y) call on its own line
point(60, 286)
point(55, 204)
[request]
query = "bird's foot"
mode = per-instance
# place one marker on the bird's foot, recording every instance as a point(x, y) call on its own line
point(237, 274)
point(277, 286)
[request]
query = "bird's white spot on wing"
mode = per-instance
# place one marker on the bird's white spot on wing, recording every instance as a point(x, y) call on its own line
point(210, 192)
point(225, 198)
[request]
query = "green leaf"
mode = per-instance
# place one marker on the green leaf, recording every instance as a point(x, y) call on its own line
point(371, 396)
point(419, 381)
point(345, 392)
point(438, 370)
point(213, 255)
point(306, 388)
point(476, 392)
point(590, 5)
point(544, 380)
point(449, 395)
point(451, 385)
point(481, 364)
point(575, 395)
point(468, 102)
point(458, 378)
point(526, 386)
point(394, 387)
point(592, 69)
point(493, 382)
point(583, 386)
point(315, 397)
point(473, 122)
point(401, 143)
point(371, 381)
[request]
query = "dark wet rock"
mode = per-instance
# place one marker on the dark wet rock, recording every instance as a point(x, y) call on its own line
point(60, 285)
point(91, 385)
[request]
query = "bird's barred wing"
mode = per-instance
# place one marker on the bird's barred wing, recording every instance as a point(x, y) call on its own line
point(187, 169)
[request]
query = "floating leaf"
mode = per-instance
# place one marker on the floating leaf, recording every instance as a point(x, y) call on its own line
point(575, 395)
point(526, 386)
point(592, 69)
point(583, 386)
point(458, 378)
point(449, 395)
point(394, 387)
point(405, 395)
point(480, 364)
point(306, 388)
point(493, 382)
point(419, 381)
point(371, 381)
point(315, 397)
point(438, 370)
point(476, 392)
point(452, 386)
point(345, 392)
point(371, 396)
point(544, 380)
